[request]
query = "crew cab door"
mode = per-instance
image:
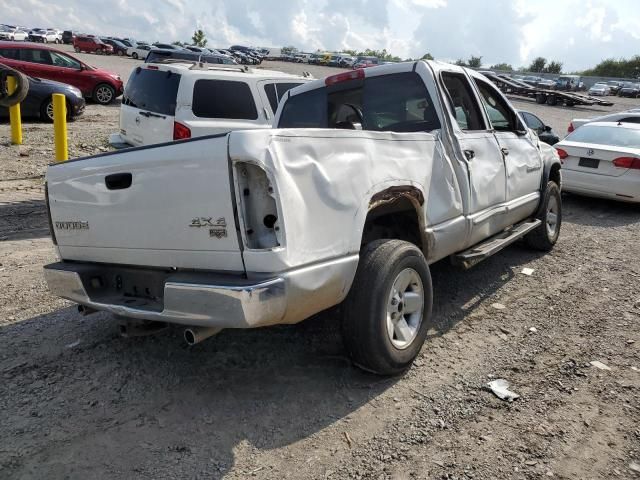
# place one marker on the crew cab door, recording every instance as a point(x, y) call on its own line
point(478, 149)
point(522, 159)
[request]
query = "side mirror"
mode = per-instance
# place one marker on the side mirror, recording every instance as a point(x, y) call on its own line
point(546, 128)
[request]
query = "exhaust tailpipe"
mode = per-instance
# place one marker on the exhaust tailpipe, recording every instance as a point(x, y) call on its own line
point(193, 335)
point(84, 310)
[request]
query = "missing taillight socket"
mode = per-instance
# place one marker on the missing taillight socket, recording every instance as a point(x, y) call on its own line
point(269, 221)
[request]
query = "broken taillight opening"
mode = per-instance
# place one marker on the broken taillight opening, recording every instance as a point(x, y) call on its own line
point(571, 128)
point(152, 68)
point(180, 132)
point(344, 77)
point(627, 162)
point(562, 153)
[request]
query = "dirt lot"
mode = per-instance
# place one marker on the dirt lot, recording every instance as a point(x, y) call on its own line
point(77, 401)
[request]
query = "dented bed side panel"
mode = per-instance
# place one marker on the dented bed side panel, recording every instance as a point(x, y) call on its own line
point(324, 181)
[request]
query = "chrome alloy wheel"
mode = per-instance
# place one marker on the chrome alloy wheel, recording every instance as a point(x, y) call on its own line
point(405, 308)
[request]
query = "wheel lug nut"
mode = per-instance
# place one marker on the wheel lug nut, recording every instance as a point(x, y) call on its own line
point(394, 302)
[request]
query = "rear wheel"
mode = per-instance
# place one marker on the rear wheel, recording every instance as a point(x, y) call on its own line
point(120, 53)
point(552, 100)
point(104, 94)
point(546, 235)
point(386, 314)
point(77, 49)
point(134, 55)
point(46, 111)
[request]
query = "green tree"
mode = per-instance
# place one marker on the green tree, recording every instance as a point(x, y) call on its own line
point(427, 56)
point(461, 63)
point(538, 65)
point(199, 38)
point(554, 67)
point(474, 62)
point(621, 68)
point(504, 67)
point(178, 43)
point(288, 50)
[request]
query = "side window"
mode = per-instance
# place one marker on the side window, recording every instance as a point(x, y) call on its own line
point(223, 99)
point(36, 56)
point(275, 92)
point(501, 115)
point(532, 121)
point(11, 53)
point(623, 120)
point(462, 102)
point(61, 60)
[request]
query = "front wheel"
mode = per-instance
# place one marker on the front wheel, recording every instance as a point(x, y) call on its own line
point(546, 235)
point(104, 94)
point(77, 49)
point(134, 55)
point(387, 313)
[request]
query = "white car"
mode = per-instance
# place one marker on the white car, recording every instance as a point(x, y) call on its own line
point(600, 89)
point(45, 35)
point(173, 101)
point(628, 116)
point(140, 51)
point(602, 159)
point(12, 33)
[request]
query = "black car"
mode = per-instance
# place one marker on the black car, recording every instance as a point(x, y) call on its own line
point(39, 102)
point(67, 37)
point(630, 90)
point(119, 48)
point(545, 132)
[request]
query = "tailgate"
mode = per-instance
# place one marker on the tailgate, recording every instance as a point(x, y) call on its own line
point(163, 206)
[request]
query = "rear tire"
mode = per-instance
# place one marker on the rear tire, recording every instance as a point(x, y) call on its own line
point(77, 49)
point(134, 55)
point(552, 100)
point(546, 235)
point(385, 317)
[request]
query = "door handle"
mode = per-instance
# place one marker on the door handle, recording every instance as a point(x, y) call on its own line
point(505, 151)
point(470, 154)
point(118, 181)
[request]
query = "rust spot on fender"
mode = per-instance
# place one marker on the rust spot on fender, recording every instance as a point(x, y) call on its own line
point(392, 194)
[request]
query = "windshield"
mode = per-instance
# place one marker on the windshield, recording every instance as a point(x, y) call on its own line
point(603, 135)
point(152, 90)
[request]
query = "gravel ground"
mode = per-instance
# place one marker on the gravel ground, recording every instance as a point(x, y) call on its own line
point(77, 401)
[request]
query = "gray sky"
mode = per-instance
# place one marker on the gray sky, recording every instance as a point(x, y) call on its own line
point(578, 33)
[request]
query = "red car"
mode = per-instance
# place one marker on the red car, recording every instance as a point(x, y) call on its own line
point(44, 62)
point(91, 45)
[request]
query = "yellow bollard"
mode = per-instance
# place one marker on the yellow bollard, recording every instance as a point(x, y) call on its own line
point(14, 114)
point(60, 127)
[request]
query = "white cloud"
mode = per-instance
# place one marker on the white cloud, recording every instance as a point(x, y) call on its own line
point(578, 33)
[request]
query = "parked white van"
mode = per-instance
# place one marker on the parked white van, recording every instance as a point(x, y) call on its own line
point(175, 100)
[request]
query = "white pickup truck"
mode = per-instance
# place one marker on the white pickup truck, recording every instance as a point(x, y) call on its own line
point(366, 179)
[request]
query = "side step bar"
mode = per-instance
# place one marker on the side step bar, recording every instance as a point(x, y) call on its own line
point(483, 250)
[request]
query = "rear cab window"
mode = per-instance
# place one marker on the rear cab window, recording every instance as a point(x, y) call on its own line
point(396, 102)
point(152, 90)
point(223, 99)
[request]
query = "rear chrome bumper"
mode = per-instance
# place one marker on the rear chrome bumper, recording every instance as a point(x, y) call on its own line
point(206, 299)
point(184, 302)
